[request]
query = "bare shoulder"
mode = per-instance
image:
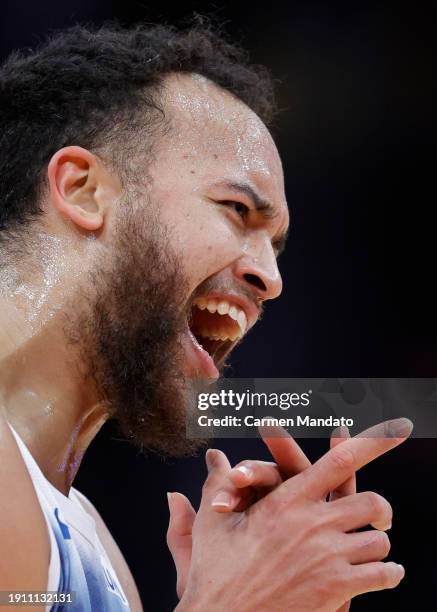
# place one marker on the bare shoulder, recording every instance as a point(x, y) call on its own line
point(115, 555)
point(24, 538)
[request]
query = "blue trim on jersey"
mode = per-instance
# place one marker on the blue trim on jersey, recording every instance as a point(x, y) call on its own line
point(63, 527)
point(83, 571)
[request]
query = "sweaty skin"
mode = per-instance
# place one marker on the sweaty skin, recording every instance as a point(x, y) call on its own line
point(215, 145)
point(44, 393)
point(215, 182)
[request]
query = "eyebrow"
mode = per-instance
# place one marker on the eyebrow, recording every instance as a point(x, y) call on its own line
point(267, 210)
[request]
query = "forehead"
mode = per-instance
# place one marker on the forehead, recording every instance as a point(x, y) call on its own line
point(212, 125)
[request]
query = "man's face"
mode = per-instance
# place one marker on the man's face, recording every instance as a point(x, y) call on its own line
point(194, 257)
point(217, 166)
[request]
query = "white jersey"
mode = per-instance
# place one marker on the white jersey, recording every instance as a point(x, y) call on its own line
point(78, 561)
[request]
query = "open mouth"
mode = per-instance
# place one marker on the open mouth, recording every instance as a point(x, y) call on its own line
point(216, 325)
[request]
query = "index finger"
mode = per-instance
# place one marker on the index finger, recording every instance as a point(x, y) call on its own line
point(349, 487)
point(338, 464)
point(285, 450)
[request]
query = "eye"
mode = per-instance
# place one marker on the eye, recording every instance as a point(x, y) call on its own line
point(241, 209)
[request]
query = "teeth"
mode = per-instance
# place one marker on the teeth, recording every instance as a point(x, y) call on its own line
point(222, 336)
point(211, 305)
point(233, 313)
point(242, 321)
point(223, 307)
point(201, 303)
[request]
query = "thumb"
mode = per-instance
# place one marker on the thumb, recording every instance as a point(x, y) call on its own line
point(179, 538)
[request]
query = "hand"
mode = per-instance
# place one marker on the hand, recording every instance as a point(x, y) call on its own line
point(250, 480)
point(247, 482)
point(319, 565)
point(244, 484)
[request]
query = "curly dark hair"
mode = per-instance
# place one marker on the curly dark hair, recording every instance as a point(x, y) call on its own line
point(99, 88)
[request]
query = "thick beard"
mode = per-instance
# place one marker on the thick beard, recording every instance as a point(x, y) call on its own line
point(130, 332)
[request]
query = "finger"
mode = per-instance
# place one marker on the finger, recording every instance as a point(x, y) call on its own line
point(247, 482)
point(290, 460)
point(345, 607)
point(216, 482)
point(339, 434)
point(341, 462)
point(255, 474)
point(229, 498)
point(349, 487)
point(375, 576)
point(286, 452)
point(359, 510)
point(365, 546)
point(220, 492)
point(179, 538)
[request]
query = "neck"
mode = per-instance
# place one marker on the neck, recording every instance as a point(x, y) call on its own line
point(44, 395)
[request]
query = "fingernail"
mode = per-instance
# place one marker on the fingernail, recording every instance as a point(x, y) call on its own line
point(222, 499)
point(386, 527)
point(169, 499)
point(399, 428)
point(244, 470)
point(210, 458)
point(341, 432)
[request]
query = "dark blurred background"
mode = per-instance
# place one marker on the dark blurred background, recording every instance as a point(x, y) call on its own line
point(355, 138)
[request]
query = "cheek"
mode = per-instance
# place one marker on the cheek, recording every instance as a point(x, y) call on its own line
point(206, 242)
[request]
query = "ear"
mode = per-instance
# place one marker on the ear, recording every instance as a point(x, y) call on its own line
point(81, 188)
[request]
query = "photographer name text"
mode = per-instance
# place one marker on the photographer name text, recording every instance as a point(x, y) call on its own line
point(252, 421)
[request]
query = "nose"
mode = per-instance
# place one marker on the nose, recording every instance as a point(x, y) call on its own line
point(259, 270)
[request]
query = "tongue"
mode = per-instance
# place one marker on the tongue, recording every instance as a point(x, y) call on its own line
point(199, 363)
point(209, 345)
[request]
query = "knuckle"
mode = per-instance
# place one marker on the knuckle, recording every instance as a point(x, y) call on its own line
point(322, 517)
point(311, 527)
point(383, 576)
point(280, 507)
point(208, 486)
point(205, 487)
point(328, 584)
point(342, 458)
point(384, 543)
point(377, 543)
point(323, 592)
point(337, 578)
point(377, 504)
point(249, 464)
point(317, 521)
point(277, 506)
point(168, 538)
